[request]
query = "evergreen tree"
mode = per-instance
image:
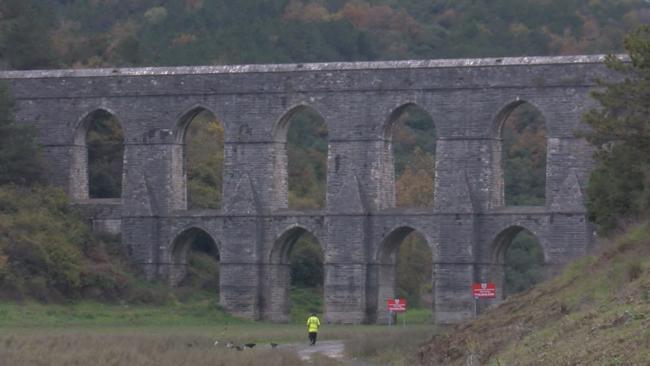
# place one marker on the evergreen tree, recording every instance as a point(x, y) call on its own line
point(619, 188)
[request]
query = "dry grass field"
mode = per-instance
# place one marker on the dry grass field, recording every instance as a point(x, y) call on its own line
point(99, 348)
point(98, 334)
point(162, 346)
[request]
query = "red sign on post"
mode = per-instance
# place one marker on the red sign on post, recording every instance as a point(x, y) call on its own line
point(484, 290)
point(397, 305)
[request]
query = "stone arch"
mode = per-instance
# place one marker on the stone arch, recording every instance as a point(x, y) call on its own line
point(396, 112)
point(276, 297)
point(79, 186)
point(390, 243)
point(83, 124)
point(281, 126)
point(503, 114)
point(283, 244)
point(184, 119)
point(180, 247)
point(289, 234)
point(501, 183)
point(386, 269)
point(412, 171)
point(279, 135)
point(498, 248)
point(179, 154)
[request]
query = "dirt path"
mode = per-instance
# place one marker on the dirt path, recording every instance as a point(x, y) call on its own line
point(331, 349)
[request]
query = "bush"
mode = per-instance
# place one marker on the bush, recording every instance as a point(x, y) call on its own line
point(202, 271)
point(306, 260)
point(41, 241)
point(48, 253)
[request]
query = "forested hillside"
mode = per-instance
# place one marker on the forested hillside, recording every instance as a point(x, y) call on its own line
point(190, 32)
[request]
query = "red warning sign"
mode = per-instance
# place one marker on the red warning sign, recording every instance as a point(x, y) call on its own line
point(397, 305)
point(484, 290)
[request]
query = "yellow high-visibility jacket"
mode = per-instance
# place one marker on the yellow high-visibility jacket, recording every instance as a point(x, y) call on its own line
point(312, 324)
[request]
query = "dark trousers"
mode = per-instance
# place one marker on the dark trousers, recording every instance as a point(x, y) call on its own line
point(312, 338)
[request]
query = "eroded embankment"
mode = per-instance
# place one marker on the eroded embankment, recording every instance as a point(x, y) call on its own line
point(596, 312)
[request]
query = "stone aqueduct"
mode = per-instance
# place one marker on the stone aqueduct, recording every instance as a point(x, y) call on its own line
point(360, 228)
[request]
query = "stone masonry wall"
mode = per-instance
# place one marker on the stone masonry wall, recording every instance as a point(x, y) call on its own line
point(359, 229)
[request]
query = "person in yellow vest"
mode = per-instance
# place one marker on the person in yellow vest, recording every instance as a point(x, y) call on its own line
point(312, 328)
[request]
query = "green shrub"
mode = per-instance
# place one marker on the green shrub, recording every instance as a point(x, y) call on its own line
point(41, 240)
point(48, 253)
point(306, 260)
point(202, 271)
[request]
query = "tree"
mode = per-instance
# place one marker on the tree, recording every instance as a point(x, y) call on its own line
point(105, 156)
point(204, 141)
point(524, 260)
point(524, 144)
point(306, 260)
point(25, 28)
point(20, 159)
point(414, 265)
point(619, 188)
point(307, 159)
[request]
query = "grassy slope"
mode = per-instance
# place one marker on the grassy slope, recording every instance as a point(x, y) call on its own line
point(93, 314)
point(596, 313)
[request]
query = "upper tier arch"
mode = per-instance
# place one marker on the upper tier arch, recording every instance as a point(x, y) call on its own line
point(281, 126)
point(187, 116)
point(502, 116)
